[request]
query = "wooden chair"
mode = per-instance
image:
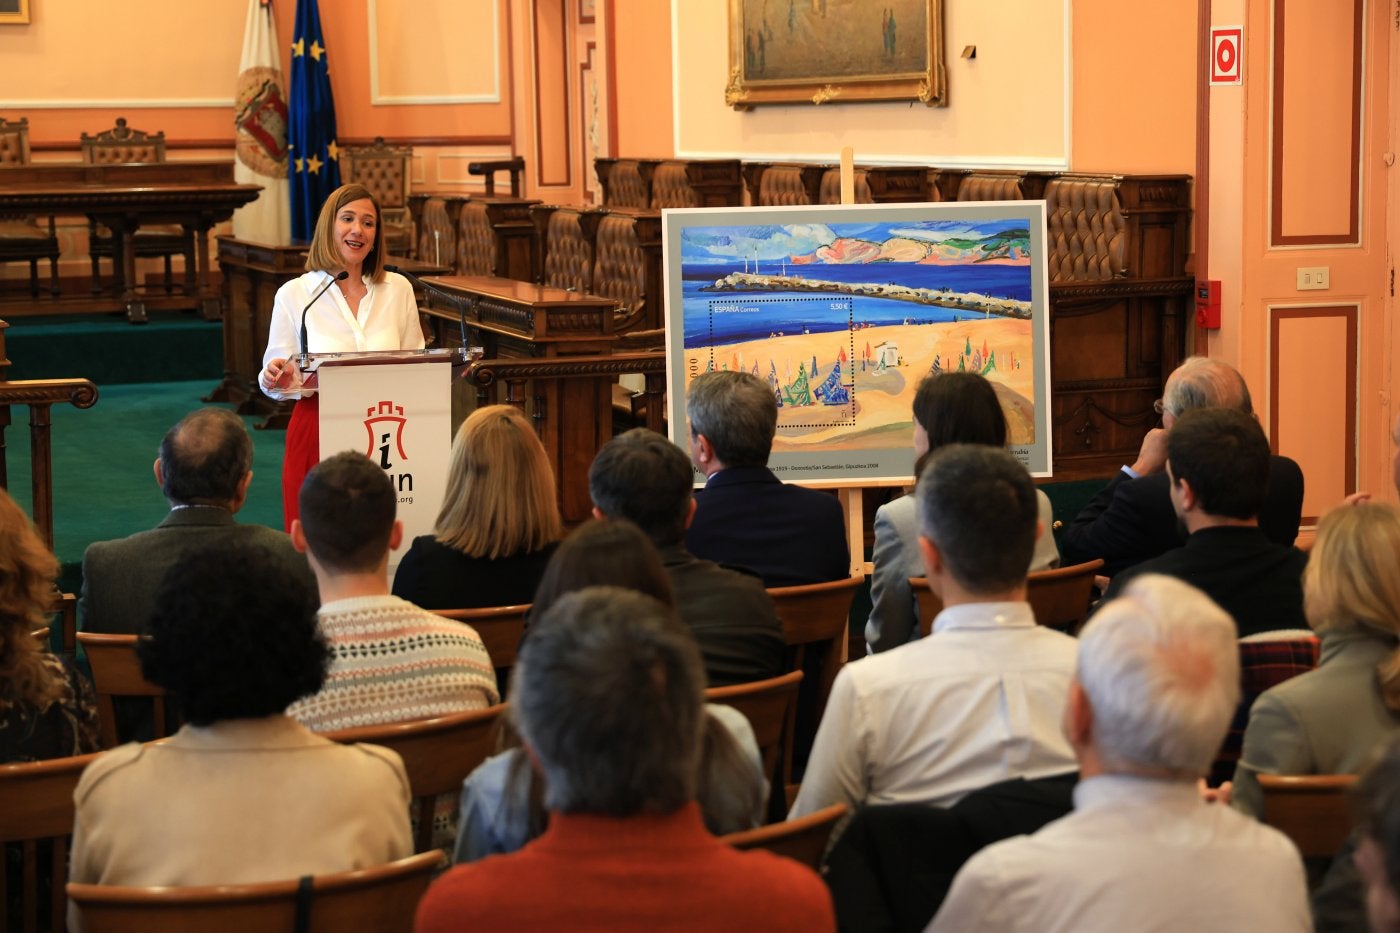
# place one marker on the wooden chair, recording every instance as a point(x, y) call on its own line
point(116, 672)
point(771, 708)
point(1059, 597)
point(817, 614)
point(804, 839)
point(122, 144)
point(1313, 810)
point(501, 628)
point(380, 899)
point(21, 237)
point(438, 754)
point(36, 804)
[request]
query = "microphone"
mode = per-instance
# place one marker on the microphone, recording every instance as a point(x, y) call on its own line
point(331, 278)
point(455, 301)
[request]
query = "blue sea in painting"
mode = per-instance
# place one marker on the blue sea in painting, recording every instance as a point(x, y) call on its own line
point(822, 313)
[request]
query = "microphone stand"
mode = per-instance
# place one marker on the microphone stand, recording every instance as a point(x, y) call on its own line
point(331, 280)
point(456, 301)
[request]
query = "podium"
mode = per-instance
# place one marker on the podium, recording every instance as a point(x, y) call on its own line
point(394, 406)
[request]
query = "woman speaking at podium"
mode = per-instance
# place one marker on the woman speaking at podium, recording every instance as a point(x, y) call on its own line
point(345, 302)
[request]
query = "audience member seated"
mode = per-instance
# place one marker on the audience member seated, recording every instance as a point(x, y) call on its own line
point(499, 521)
point(1156, 684)
point(1131, 519)
point(1377, 859)
point(46, 706)
point(503, 800)
point(242, 793)
point(1329, 721)
point(979, 700)
point(949, 408)
point(644, 478)
point(606, 695)
point(745, 516)
point(390, 660)
point(1217, 467)
point(204, 468)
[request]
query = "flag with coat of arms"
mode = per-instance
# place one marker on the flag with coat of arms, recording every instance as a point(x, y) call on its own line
point(260, 131)
point(314, 167)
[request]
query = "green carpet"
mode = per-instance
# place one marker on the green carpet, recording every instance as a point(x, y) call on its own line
point(103, 485)
point(106, 348)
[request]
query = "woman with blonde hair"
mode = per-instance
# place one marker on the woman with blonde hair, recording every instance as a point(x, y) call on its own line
point(499, 522)
point(46, 707)
point(346, 302)
point(1329, 720)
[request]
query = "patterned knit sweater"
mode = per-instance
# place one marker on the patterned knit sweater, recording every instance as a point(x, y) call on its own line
point(392, 662)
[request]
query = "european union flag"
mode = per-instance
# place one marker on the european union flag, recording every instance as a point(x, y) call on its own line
point(313, 159)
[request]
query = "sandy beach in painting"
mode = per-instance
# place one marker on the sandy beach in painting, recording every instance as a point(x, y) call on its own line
point(884, 399)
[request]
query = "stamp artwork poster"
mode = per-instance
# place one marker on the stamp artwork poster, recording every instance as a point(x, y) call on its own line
point(843, 310)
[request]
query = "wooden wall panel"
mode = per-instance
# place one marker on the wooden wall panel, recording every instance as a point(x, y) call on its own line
point(1313, 399)
point(1316, 122)
point(553, 140)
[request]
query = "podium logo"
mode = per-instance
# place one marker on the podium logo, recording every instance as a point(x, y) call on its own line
point(385, 423)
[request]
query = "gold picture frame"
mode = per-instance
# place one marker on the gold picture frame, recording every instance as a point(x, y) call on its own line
point(820, 51)
point(14, 12)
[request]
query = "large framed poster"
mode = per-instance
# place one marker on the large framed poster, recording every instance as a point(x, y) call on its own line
point(844, 309)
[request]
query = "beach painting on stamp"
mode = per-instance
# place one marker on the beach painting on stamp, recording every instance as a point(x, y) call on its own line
point(842, 310)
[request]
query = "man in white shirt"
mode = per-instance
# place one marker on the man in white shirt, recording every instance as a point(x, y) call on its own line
point(980, 700)
point(1156, 686)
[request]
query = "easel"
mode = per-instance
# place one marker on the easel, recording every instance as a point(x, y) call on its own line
point(853, 497)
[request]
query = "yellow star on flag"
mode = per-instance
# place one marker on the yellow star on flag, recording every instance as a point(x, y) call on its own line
point(297, 163)
point(317, 50)
point(299, 48)
point(333, 150)
point(313, 165)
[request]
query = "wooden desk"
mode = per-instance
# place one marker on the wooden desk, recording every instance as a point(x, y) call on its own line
point(549, 347)
point(252, 273)
point(195, 195)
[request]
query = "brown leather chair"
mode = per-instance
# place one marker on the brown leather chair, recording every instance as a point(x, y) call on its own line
point(36, 805)
point(382, 899)
point(782, 185)
point(116, 672)
point(770, 707)
point(804, 839)
point(122, 144)
point(437, 753)
point(1313, 810)
point(387, 171)
point(566, 236)
point(626, 182)
point(21, 237)
point(1086, 230)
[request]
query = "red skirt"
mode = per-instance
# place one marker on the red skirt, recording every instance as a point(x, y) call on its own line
point(303, 452)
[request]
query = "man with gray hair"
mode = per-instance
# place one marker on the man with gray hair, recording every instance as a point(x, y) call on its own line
point(1131, 519)
point(606, 695)
point(745, 515)
point(1155, 689)
point(979, 700)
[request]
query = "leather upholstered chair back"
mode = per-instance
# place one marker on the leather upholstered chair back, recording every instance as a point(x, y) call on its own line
point(568, 259)
point(619, 270)
point(14, 141)
point(783, 186)
point(476, 241)
point(670, 187)
point(978, 186)
point(1085, 226)
point(122, 144)
point(386, 171)
point(624, 186)
point(831, 187)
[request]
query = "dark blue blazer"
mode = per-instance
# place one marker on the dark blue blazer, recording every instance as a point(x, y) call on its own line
point(788, 535)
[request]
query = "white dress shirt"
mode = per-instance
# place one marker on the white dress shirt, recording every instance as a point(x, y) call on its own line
point(387, 319)
point(1136, 854)
point(977, 702)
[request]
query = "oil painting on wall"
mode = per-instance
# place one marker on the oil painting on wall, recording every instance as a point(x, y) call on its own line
point(843, 310)
point(784, 51)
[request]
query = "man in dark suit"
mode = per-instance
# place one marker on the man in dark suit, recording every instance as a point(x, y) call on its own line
point(204, 468)
point(1217, 465)
point(643, 478)
point(1131, 519)
point(745, 515)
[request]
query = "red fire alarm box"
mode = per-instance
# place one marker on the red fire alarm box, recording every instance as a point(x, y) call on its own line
point(1208, 304)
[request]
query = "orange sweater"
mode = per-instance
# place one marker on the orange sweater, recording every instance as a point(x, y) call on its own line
point(646, 872)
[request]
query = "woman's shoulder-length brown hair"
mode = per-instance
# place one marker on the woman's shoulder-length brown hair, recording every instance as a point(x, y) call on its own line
point(27, 573)
point(500, 497)
point(322, 252)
